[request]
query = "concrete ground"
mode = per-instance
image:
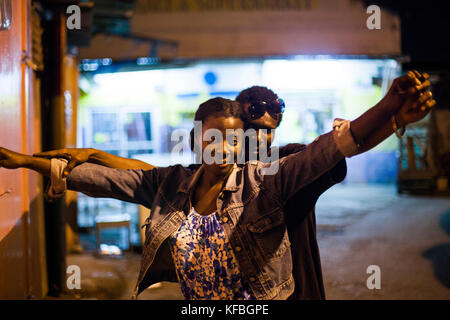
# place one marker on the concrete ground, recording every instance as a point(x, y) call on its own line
point(407, 237)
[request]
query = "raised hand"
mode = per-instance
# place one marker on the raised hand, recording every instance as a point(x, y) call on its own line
point(74, 156)
point(411, 85)
point(415, 108)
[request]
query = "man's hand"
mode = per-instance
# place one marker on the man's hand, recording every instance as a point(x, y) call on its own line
point(415, 108)
point(74, 156)
point(11, 160)
point(405, 87)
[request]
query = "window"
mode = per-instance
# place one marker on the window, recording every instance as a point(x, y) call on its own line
point(105, 128)
point(122, 133)
point(138, 126)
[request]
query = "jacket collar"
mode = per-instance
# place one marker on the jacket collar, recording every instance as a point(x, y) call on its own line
point(232, 184)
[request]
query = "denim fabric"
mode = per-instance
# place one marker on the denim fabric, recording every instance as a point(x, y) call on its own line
point(300, 218)
point(250, 208)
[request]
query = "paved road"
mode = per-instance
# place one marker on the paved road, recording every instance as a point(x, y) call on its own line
point(408, 237)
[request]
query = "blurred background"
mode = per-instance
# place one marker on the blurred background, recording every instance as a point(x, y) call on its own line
point(136, 70)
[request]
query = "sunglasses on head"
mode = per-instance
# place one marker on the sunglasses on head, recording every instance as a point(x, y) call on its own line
point(259, 108)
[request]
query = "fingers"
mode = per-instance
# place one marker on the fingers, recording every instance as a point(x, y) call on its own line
point(423, 101)
point(413, 82)
point(406, 85)
point(421, 80)
point(421, 76)
point(413, 77)
point(423, 86)
point(428, 105)
point(409, 80)
point(72, 164)
point(426, 101)
point(424, 96)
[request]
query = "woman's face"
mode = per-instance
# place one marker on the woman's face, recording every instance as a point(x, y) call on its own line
point(222, 124)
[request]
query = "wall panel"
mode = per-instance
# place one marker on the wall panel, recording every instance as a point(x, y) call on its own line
point(22, 269)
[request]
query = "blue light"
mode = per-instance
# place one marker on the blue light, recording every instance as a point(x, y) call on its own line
point(146, 61)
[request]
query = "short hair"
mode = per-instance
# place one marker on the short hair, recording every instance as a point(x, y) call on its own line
point(257, 93)
point(217, 107)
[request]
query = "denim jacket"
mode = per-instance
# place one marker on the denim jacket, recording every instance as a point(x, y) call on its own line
point(250, 207)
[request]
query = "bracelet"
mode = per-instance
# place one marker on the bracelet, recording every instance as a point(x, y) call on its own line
point(395, 127)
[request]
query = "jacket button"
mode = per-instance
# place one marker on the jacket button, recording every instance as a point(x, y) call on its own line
point(238, 249)
point(252, 279)
point(224, 219)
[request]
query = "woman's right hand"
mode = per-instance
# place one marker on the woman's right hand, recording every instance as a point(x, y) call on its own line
point(10, 159)
point(75, 156)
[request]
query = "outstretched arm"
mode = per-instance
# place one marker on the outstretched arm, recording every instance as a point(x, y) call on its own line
point(109, 160)
point(77, 156)
point(298, 170)
point(13, 160)
point(132, 185)
point(137, 186)
point(408, 100)
point(403, 117)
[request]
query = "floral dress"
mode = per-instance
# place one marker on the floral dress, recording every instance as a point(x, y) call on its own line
point(205, 263)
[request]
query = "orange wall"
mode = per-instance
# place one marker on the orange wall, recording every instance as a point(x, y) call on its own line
point(22, 252)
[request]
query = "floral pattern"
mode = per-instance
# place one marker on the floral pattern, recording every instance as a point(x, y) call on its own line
point(205, 263)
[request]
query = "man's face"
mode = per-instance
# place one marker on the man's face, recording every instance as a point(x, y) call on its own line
point(266, 122)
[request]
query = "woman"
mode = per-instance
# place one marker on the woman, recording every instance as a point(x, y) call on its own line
point(219, 231)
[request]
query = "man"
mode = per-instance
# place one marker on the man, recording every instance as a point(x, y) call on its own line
point(263, 110)
point(300, 209)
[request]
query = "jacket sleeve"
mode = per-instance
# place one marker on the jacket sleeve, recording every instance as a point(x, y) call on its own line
point(324, 182)
point(133, 185)
point(299, 169)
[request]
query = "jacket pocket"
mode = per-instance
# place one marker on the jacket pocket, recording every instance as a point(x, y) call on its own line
point(267, 222)
point(270, 235)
